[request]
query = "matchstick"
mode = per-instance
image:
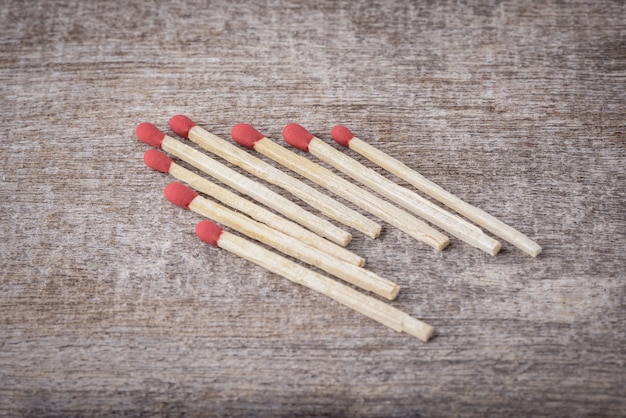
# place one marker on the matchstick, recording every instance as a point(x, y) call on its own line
point(373, 308)
point(183, 196)
point(300, 138)
point(157, 160)
point(248, 136)
point(343, 136)
point(149, 134)
point(186, 128)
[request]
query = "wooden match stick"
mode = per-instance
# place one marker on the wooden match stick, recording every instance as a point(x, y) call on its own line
point(157, 160)
point(300, 138)
point(149, 134)
point(183, 196)
point(343, 136)
point(187, 128)
point(248, 136)
point(373, 308)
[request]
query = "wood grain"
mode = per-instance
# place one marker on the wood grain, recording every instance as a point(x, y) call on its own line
point(111, 306)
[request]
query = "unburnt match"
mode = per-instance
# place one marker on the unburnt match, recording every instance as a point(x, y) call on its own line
point(345, 137)
point(302, 139)
point(248, 136)
point(157, 160)
point(183, 196)
point(151, 135)
point(328, 206)
point(375, 309)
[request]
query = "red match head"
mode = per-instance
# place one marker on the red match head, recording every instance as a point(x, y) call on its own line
point(209, 232)
point(297, 136)
point(158, 161)
point(246, 135)
point(150, 134)
point(180, 195)
point(181, 125)
point(341, 135)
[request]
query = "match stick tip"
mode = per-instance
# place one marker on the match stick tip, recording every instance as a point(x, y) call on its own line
point(341, 135)
point(181, 124)
point(158, 161)
point(246, 135)
point(417, 328)
point(180, 195)
point(535, 250)
point(209, 232)
point(149, 134)
point(297, 136)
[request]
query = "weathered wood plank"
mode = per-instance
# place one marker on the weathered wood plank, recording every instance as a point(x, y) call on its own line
point(110, 304)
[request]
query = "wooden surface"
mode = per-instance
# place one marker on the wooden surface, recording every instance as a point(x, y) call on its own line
point(110, 305)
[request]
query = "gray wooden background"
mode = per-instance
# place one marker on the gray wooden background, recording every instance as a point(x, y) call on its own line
point(110, 305)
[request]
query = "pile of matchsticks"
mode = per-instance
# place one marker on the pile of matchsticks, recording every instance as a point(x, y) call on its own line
point(301, 234)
